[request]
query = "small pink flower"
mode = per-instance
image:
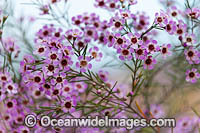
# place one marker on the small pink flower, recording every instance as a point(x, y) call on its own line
point(103, 75)
point(95, 54)
point(134, 39)
point(192, 75)
point(171, 27)
point(161, 18)
point(83, 63)
point(181, 28)
point(80, 86)
point(149, 63)
point(152, 46)
point(193, 13)
point(125, 53)
point(68, 105)
point(141, 21)
point(117, 23)
point(141, 53)
point(157, 111)
point(165, 50)
point(192, 55)
point(189, 39)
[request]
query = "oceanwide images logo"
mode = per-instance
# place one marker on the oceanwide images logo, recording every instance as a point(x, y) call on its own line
point(129, 123)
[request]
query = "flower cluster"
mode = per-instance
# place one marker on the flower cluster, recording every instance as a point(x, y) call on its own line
point(57, 78)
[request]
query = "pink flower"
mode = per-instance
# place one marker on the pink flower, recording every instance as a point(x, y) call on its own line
point(185, 124)
point(149, 63)
point(140, 21)
point(161, 18)
point(80, 86)
point(116, 23)
point(157, 111)
point(192, 55)
point(103, 75)
point(152, 46)
point(83, 63)
point(192, 75)
point(125, 53)
point(193, 13)
point(181, 28)
point(141, 53)
point(68, 105)
point(165, 50)
point(189, 39)
point(95, 54)
point(171, 27)
point(134, 39)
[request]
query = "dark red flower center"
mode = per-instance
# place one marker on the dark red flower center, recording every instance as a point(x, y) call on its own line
point(142, 22)
point(53, 44)
point(37, 79)
point(134, 40)
point(125, 52)
point(80, 44)
point(47, 86)
point(120, 41)
point(112, 5)
point(19, 119)
point(68, 105)
point(10, 87)
point(139, 51)
point(151, 47)
point(77, 22)
point(101, 3)
point(117, 24)
point(174, 14)
point(53, 56)
point(110, 38)
point(107, 113)
point(96, 24)
point(101, 38)
point(64, 62)
point(50, 67)
point(83, 63)
point(90, 33)
point(69, 37)
point(78, 86)
point(40, 50)
point(24, 131)
point(191, 74)
point(45, 33)
point(37, 93)
point(189, 39)
point(59, 79)
point(57, 34)
point(56, 92)
point(185, 124)
point(102, 76)
point(6, 117)
point(148, 61)
point(179, 31)
point(190, 53)
point(193, 15)
point(164, 50)
point(159, 19)
point(3, 78)
point(168, 27)
point(66, 89)
point(9, 104)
